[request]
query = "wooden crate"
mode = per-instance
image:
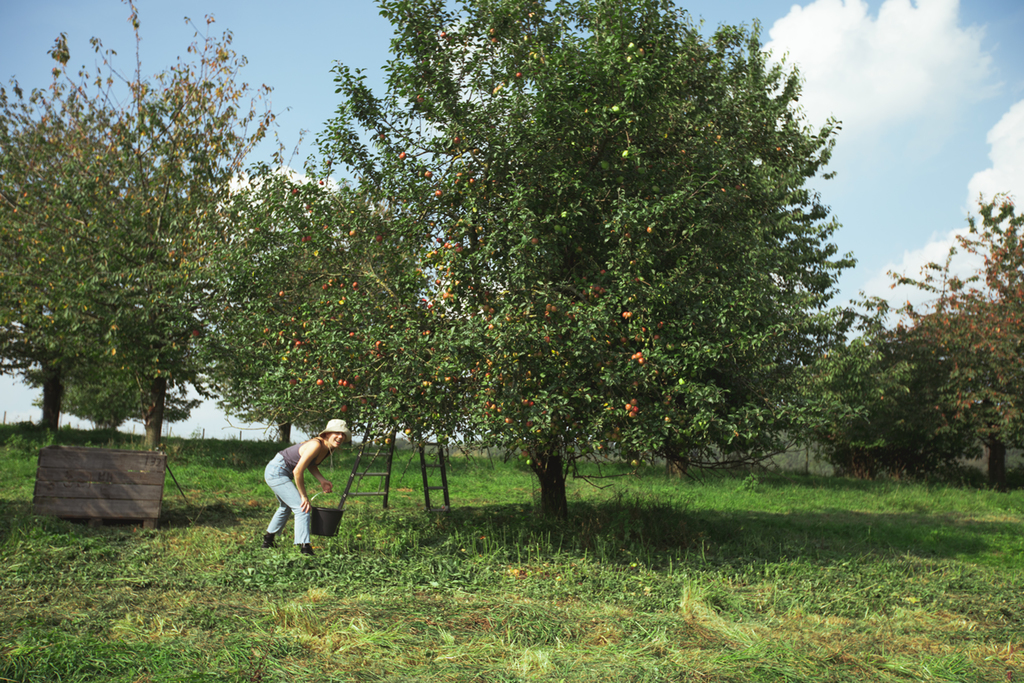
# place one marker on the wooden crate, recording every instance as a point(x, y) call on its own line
point(100, 484)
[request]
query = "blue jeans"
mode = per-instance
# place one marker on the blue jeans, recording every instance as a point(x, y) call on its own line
point(279, 479)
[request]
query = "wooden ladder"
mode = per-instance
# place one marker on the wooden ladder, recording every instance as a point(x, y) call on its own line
point(357, 476)
point(425, 467)
point(383, 475)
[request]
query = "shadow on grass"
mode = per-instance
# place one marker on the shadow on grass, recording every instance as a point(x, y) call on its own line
point(841, 534)
point(625, 531)
point(217, 515)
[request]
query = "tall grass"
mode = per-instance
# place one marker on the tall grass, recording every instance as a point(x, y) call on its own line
point(756, 578)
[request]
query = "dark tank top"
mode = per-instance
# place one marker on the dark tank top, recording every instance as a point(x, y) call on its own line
point(291, 457)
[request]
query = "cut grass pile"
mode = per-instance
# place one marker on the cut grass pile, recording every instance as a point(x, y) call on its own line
point(761, 578)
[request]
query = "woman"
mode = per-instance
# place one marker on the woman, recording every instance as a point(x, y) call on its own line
point(284, 476)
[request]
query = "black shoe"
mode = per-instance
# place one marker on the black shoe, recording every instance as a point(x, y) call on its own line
point(268, 540)
point(306, 549)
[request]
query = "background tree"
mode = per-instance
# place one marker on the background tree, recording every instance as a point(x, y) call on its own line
point(976, 326)
point(52, 162)
point(108, 180)
point(879, 405)
point(611, 218)
point(110, 398)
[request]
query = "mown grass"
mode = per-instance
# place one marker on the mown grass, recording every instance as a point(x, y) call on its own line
point(757, 578)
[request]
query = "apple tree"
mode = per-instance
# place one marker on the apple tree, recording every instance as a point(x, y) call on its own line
point(610, 215)
point(327, 316)
point(975, 325)
point(108, 180)
point(284, 251)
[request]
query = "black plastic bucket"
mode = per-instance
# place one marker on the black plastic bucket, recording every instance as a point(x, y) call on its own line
point(324, 521)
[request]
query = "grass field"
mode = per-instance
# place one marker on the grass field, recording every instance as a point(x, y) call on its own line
point(770, 577)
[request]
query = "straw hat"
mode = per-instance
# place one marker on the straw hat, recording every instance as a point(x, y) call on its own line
point(337, 426)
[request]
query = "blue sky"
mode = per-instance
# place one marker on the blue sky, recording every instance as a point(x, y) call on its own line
point(930, 95)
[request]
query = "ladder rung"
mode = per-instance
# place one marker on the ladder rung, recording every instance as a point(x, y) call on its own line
point(435, 488)
point(367, 493)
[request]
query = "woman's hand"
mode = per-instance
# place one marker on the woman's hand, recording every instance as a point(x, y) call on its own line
point(327, 486)
point(306, 507)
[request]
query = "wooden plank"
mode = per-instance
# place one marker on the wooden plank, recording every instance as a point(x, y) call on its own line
point(78, 489)
point(154, 478)
point(104, 509)
point(101, 459)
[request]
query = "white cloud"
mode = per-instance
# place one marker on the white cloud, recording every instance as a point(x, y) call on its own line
point(1006, 140)
point(913, 264)
point(912, 61)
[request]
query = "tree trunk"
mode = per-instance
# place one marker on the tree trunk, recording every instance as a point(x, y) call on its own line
point(675, 468)
point(862, 465)
point(154, 417)
point(53, 396)
point(676, 464)
point(551, 475)
point(995, 456)
point(284, 432)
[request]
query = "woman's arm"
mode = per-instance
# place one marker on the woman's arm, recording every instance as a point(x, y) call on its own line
point(314, 469)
